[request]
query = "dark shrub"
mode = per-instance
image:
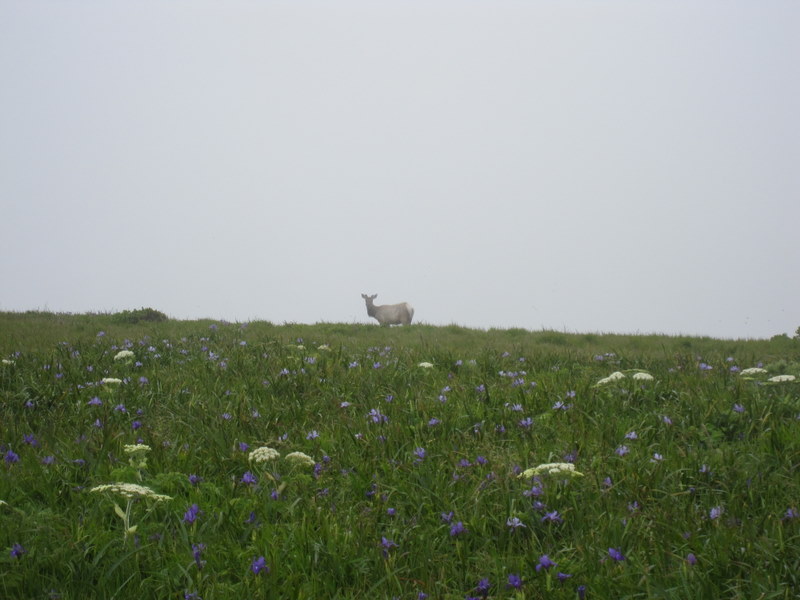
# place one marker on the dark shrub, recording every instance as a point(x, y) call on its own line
point(140, 314)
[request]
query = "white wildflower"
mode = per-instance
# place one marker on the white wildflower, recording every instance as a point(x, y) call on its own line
point(425, 365)
point(263, 454)
point(781, 378)
point(130, 491)
point(136, 448)
point(6, 361)
point(324, 347)
point(300, 458)
point(563, 469)
point(111, 380)
point(752, 371)
point(124, 355)
point(616, 375)
point(642, 376)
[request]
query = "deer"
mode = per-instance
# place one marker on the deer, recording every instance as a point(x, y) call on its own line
point(389, 314)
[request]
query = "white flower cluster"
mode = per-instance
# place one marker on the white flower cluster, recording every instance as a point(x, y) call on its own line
point(136, 448)
point(263, 454)
point(563, 469)
point(759, 371)
point(111, 380)
point(781, 378)
point(6, 361)
point(642, 376)
point(124, 355)
point(130, 490)
point(752, 371)
point(425, 365)
point(300, 458)
point(615, 376)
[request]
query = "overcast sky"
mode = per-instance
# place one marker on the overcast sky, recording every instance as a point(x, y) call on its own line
point(585, 166)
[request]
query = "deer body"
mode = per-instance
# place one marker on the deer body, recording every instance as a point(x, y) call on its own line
point(389, 314)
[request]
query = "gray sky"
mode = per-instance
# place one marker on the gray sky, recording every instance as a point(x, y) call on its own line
point(610, 166)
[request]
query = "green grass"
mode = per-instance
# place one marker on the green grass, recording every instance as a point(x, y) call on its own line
point(202, 395)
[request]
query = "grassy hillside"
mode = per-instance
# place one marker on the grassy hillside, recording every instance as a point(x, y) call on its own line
point(209, 460)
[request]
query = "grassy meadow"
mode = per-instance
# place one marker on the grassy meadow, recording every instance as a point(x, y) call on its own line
point(202, 459)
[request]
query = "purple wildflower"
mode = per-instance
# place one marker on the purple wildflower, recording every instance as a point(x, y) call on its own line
point(534, 492)
point(691, 559)
point(526, 423)
point(248, 478)
point(433, 422)
point(136, 425)
point(259, 565)
point(197, 552)
point(738, 408)
point(420, 454)
point(195, 479)
point(514, 581)
point(49, 460)
point(616, 554)
point(791, 513)
point(483, 587)
point(120, 408)
point(376, 417)
point(17, 551)
point(458, 529)
point(514, 523)
point(95, 402)
point(243, 446)
point(715, 513)
point(31, 440)
point(386, 545)
point(562, 577)
point(312, 435)
point(190, 516)
point(622, 450)
point(552, 517)
point(11, 457)
point(545, 563)
point(447, 517)
point(631, 435)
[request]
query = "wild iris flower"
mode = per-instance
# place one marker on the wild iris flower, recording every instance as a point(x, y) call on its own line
point(616, 554)
point(514, 581)
point(197, 551)
point(386, 545)
point(17, 551)
point(552, 517)
point(457, 529)
point(483, 587)
point(545, 563)
point(190, 516)
point(248, 478)
point(259, 565)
